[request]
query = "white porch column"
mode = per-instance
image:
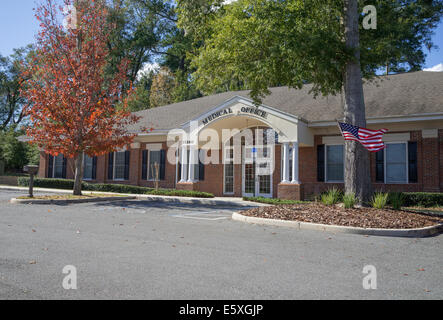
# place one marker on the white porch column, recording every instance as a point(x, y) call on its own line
point(192, 162)
point(295, 163)
point(285, 178)
point(184, 160)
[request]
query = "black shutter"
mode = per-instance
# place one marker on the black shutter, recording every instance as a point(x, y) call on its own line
point(64, 167)
point(321, 163)
point(94, 168)
point(145, 165)
point(127, 154)
point(201, 169)
point(162, 164)
point(380, 166)
point(111, 166)
point(50, 166)
point(412, 161)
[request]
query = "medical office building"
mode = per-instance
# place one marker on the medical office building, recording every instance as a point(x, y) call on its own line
point(296, 135)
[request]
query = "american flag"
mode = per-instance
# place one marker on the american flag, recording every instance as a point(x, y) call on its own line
point(370, 139)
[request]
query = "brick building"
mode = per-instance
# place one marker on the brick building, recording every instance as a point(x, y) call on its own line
point(288, 147)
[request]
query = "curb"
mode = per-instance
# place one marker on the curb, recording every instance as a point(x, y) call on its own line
point(203, 201)
point(408, 233)
point(154, 198)
point(68, 201)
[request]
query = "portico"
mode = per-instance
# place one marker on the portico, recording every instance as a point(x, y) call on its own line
point(255, 149)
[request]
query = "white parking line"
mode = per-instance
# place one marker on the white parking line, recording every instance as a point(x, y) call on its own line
point(199, 218)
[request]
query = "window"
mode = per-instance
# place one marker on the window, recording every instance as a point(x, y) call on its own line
point(228, 170)
point(119, 165)
point(289, 162)
point(334, 163)
point(88, 168)
point(154, 165)
point(396, 163)
point(58, 166)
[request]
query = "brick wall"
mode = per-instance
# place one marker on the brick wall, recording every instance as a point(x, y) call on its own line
point(429, 162)
point(429, 168)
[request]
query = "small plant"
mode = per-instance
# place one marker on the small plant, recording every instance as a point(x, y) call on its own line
point(331, 197)
point(396, 199)
point(349, 200)
point(379, 200)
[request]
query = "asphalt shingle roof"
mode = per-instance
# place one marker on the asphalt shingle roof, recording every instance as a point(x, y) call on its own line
point(393, 95)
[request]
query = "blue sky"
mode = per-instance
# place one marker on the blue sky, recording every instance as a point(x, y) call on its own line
point(18, 27)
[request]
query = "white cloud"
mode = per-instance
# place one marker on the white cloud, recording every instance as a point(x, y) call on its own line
point(437, 68)
point(148, 67)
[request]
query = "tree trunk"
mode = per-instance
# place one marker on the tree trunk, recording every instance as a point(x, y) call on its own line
point(357, 165)
point(78, 175)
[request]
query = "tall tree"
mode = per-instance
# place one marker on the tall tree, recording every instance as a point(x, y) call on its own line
point(322, 42)
point(11, 102)
point(75, 108)
point(162, 88)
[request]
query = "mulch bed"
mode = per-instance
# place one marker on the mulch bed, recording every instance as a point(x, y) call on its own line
point(336, 215)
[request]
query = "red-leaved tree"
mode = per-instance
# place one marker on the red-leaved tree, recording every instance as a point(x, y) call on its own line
point(75, 107)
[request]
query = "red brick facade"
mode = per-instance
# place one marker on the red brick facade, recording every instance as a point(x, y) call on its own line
point(429, 171)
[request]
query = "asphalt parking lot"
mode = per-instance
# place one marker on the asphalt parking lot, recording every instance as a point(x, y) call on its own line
point(150, 250)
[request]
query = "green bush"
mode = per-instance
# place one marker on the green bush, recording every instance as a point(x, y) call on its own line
point(48, 183)
point(379, 200)
point(116, 188)
point(15, 154)
point(349, 200)
point(332, 196)
point(423, 199)
point(396, 199)
point(273, 201)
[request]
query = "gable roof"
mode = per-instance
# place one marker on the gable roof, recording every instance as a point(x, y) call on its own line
point(414, 93)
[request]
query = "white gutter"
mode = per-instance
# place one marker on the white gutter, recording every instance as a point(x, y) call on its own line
point(388, 119)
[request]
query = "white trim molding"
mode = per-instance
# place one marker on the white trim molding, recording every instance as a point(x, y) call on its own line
point(394, 137)
point(429, 133)
point(154, 146)
point(387, 137)
point(333, 140)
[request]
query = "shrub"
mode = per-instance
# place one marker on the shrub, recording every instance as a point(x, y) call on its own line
point(48, 183)
point(396, 199)
point(333, 196)
point(349, 200)
point(379, 200)
point(423, 199)
point(116, 188)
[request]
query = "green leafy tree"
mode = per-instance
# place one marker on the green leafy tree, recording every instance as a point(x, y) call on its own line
point(266, 43)
point(13, 153)
point(11, 102)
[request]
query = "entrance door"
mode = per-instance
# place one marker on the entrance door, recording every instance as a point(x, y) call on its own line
point(257, 171)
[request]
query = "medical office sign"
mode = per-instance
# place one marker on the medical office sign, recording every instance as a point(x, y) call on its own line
point(228, 111)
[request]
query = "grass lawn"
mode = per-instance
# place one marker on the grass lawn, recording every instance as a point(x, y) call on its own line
point(432, 210)
point(71, 196)
point(273, 201)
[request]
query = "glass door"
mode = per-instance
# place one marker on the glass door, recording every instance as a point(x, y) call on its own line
point(257, 172)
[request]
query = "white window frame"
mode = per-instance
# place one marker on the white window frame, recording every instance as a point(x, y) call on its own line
point(290, 147)
point(326, 163)
point(224, 170)
point(177, 161)
point(114, 166)
point(406, 162)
